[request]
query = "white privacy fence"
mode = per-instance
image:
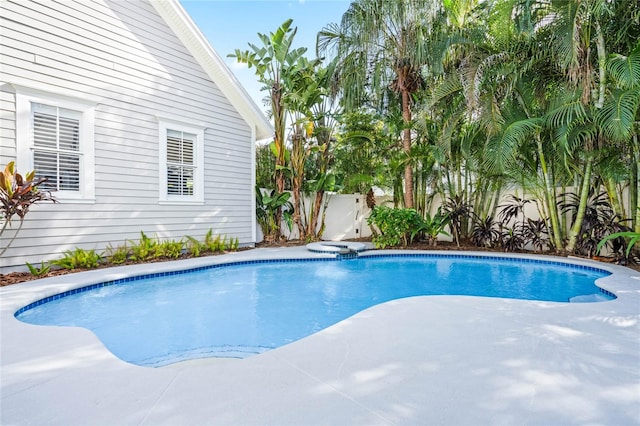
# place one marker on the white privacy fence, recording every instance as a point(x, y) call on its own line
point(346, 215)
point(346, 218)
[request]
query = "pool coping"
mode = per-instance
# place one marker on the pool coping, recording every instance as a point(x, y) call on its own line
point(342, 374)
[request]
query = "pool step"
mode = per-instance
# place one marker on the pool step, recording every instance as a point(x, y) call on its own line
point(589, 298)
point(338, 247)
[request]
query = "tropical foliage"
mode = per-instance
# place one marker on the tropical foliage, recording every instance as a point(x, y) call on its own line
point(134, 251)
point(267, 208)
point(276, 63)
point(382, 48)
point(17, 195)
point(398, 227)
point(301, 93)
point(465, 102)
point(394, 226)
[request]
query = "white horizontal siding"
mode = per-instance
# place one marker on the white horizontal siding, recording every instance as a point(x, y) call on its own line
point(96, 234)
point(124, 55)
point(84, 64)
point(7, 128)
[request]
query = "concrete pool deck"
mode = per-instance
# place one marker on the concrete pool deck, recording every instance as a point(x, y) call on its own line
point(450, 360)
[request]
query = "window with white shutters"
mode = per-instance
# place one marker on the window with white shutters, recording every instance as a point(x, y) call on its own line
point(181, 163)
point(55, 136)
point(56, 147)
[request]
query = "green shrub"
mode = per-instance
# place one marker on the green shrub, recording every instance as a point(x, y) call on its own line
point(234, 243)
point(171, 249)
point(144, 249)
point(267, 206)
point(139, 251)
point(634, 237)
point(194, 247)
point(117, 255)
point(44, 269)
point(79, 258)
point(213, 244)
point(395, 226)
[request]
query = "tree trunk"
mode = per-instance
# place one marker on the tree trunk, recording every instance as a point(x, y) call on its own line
point(371, 199)
point(574, 232)
point(459, 190)
point(549, 194)
point(297, 166)
point(323, 136)
point(325, 203)
point(406, 146)
point(496, 200)
point(634, 186)
point(602, 61)
point(312, 229)
point(278, 120)
point(296, 208)
point(614, 198)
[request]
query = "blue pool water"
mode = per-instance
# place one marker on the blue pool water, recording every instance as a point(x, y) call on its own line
point(244, 309)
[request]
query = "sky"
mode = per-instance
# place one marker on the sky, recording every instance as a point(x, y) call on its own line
point(232, 24)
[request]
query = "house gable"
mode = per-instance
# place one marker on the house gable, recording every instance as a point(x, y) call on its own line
point(126, 61)
point(184, 27)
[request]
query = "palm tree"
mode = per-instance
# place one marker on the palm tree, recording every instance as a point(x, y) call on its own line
point(620, 118)
point(382, 47)
point(583, 33)
point(478, 104)
point(556, 102)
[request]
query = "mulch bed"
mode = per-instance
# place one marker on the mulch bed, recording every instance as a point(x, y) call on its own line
point(18, 277)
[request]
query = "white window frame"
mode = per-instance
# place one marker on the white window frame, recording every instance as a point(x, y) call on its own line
point(198, 152)
point(25, 98)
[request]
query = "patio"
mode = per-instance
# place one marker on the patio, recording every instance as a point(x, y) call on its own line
point(423, 360)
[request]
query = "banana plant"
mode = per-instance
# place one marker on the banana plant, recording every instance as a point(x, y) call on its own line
point(432, 226)
point(275, 60)
point(267, 207)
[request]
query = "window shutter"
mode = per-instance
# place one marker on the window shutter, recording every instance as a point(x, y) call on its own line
point(69, 134)
point(180, 163)
point(56, 147)
point(44, 129)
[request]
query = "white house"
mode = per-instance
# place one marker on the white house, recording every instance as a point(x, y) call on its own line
point(135, 119)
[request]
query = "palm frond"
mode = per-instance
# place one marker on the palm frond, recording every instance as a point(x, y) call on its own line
point(450, 86)
point(581, 137)
point(566, 112)
point(491, 115)
point(327, 38)
point(502, 150)
point(617, 115)
point(625, 70)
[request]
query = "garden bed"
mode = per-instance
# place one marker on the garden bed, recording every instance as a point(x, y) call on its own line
point(18, 277)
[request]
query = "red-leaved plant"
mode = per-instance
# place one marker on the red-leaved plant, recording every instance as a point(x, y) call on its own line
point(17, 195)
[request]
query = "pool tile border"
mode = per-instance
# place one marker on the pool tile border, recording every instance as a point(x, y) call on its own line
point(292, 260)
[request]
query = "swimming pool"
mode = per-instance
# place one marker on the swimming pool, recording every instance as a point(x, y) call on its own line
point(237, 310)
